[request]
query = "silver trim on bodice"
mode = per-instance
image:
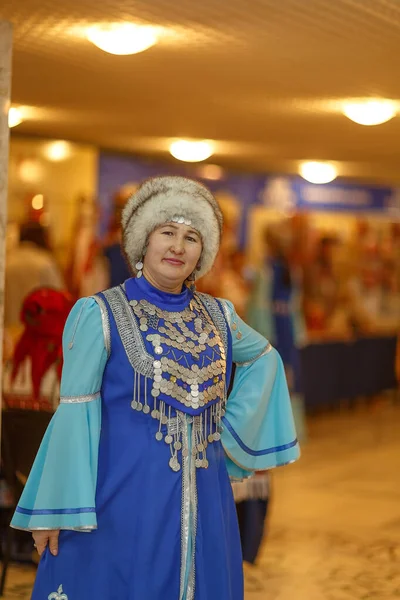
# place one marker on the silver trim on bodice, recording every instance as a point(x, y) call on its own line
point(129, 331)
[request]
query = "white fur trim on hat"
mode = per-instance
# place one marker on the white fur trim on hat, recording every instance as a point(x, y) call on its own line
point(160, 200)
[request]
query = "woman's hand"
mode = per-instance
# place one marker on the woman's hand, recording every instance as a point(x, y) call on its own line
point(44, 538)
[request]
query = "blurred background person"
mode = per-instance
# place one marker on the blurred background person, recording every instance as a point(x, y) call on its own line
point(30, 265)
point(326, 301)
point(115, 264)
point(274, 309)
point(87, 269)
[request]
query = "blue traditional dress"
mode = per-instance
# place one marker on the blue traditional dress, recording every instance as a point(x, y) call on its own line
point(136, 464)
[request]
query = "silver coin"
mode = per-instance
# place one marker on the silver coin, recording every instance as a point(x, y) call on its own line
point(185, 452)
point(134, 404)
point(173, 463)
point(157, 378)
point(205, 463)
point(155, 393)
point(210, 438)
point(146, 409)
point(158, 350)
point(217, 436)
point(198, 462)
point(177, 445)
point(143, 328)
point(154, 414)
point(168, 439)
point(159, 436)
point(200, 447)
point(139, 406)
point(164, 420)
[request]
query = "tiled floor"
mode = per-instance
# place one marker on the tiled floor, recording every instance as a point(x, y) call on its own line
point(334, 532)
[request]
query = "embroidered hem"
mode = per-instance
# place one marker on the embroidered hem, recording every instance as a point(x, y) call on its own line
point(79, 399)
point(249, 362)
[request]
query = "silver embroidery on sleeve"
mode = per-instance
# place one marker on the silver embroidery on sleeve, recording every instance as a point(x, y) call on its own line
point(227, 313)
point(83, 529)
point(129, 332)
point(76, 323)
point(250, 361)
point(105, 322)
point(58, 595)
point(79, 399)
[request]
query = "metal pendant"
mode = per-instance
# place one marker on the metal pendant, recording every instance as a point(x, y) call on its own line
point(174, 464)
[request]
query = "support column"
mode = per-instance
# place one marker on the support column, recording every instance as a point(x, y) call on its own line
point(5, 91)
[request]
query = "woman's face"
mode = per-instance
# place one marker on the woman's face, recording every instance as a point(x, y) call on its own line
point(172, 255)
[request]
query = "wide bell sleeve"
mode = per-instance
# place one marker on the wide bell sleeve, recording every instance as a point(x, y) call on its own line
point(60, 491)
point(258, 430)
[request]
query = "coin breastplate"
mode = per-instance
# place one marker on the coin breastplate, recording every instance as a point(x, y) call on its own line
point(179, 359)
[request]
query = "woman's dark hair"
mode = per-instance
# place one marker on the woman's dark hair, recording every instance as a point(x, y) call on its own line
point(34, 233)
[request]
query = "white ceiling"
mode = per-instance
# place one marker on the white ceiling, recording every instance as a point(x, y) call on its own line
point(262, 77)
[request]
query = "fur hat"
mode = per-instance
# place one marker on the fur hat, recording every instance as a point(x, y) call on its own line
point(163, 199)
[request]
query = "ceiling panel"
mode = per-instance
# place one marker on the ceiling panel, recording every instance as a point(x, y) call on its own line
point(262, 77)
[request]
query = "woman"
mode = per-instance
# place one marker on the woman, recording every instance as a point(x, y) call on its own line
point(273, 310)
point(140, 451)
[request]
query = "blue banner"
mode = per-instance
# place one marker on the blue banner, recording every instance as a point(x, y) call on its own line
point(291, 193)
point(284, 193)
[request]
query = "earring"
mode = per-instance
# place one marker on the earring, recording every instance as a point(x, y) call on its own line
point(191, 281)
point(139, 269)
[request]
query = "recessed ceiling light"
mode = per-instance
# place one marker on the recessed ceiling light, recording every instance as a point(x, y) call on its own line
point(370, 112)
point(57, 151)
point(122, 38)
point(318, 172)
point(211, 172)
point(38, 202)
point(14, 117)
point(191, 151)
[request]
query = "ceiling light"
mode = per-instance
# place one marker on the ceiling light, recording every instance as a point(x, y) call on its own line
point(30, 171)
point(14, 117)
point(211, 172)
point(57, 151)
point(370, 112)
point(38, 202)
point(123, 38)
point(318, 172)
point(191, 151)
